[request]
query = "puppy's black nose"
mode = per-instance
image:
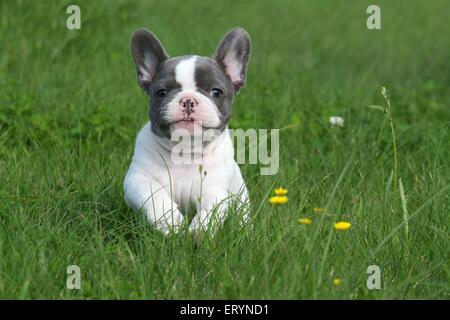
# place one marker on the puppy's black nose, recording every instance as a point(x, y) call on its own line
point(188, 105)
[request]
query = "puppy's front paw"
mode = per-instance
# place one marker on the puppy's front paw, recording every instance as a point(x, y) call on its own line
point(198, 223)
point(196, 229)
point(203, 222)
point(171, 222)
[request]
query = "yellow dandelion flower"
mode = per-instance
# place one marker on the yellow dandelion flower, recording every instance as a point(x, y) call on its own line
point(337, 281)
point(280, 191)
point(278, 200)
point(304, 221)
point(342, 225)
point(318, 210)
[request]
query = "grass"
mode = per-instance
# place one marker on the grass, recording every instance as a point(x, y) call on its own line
point(70, 109)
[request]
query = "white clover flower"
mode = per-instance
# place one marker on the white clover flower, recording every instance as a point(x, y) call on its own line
point(337, 121)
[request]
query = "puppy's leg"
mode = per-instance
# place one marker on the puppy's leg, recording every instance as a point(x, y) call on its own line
point(141, 192)
point(211, 210)
point(244, 204)
point(239, 188)
point(215, 200)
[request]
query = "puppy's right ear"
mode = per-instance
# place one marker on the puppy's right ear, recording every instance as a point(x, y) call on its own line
point(148, 53)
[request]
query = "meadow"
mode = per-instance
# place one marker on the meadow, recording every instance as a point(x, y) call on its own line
point(70, 109)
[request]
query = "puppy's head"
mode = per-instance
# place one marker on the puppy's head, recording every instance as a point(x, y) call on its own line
point(190, 91)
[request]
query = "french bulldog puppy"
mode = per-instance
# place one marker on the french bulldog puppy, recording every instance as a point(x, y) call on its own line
point(191, 95)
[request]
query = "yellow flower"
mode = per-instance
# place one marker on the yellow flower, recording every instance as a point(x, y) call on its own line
point(337, 281)
point(281, 191)
point(278, 200)
point(342, 225)
point(304, 221)
point(318, 210)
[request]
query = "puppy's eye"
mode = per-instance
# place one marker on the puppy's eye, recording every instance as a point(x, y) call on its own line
point(216, 93)
point(161, 93)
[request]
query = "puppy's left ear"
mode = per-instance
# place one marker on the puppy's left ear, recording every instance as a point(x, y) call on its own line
point(233, 54)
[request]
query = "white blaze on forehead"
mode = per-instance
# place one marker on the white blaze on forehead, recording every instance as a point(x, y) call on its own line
point(185, 74)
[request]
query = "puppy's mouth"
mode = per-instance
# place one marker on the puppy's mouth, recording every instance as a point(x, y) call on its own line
point(185, 121)
point(190, 124)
